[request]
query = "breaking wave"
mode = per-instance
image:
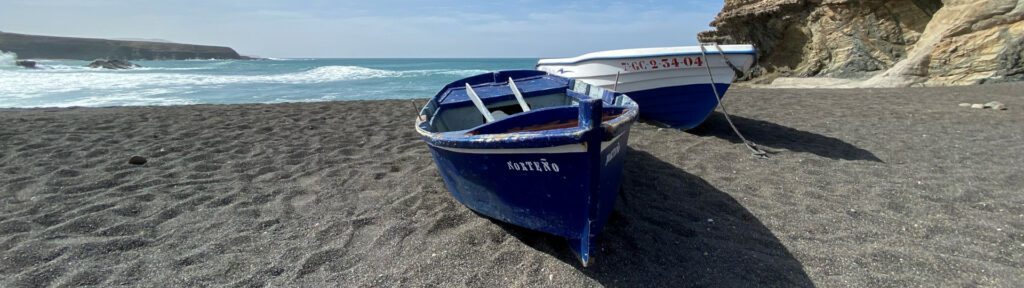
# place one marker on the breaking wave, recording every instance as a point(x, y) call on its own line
point(22, 83)
point(159, 97)
point(7, 59)
point(66, 84)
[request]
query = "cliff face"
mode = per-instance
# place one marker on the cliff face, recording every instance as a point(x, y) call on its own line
point(896, 42)
point(48, 47)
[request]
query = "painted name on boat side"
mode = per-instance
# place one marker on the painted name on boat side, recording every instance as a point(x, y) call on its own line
point(538, 166)
point(661, 63)
point(611, 154)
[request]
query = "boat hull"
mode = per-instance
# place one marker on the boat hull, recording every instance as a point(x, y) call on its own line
point(545, 189)
point(681, 107)
point(676, 90)
point(554, 168)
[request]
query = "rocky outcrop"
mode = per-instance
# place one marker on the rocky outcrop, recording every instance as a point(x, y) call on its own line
point(48, 47)
point(26, 63)
point(967, 42)
point(113, 64)
point(890, 43)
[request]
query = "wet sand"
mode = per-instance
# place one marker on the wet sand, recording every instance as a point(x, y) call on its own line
point(863, 188)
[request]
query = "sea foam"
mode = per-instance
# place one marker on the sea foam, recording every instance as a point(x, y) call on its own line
point(22, 84)
point(8, 59)
point(25, 84)
point(68, 83)
point(131, 87)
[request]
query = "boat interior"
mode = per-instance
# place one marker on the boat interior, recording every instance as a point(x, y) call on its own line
point(514, 101)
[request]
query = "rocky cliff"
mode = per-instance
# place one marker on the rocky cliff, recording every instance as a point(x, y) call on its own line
point(48, 47)
point(889, 43)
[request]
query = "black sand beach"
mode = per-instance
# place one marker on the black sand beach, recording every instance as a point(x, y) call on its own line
point(864, 188)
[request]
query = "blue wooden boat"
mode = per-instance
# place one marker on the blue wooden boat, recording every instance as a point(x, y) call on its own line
point(671, 84)
point(532, 149)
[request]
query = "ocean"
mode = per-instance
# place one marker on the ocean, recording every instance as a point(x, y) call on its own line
point(71, 83)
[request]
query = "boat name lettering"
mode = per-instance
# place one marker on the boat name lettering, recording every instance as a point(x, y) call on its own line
point(661, 63)
point(538, 166)
point(611, 154)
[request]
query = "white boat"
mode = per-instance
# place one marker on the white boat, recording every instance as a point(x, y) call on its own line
point(672, 85)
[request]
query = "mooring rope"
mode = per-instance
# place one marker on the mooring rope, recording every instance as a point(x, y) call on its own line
point(750, 145)
point(739, 73)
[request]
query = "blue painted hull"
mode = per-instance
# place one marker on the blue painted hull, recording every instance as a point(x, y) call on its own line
point(681, 107)
point(547, 192)
point(567, 194)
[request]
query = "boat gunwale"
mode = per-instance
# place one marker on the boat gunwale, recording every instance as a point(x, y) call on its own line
point(529, 139)
point(526, 139)
point(585, 58)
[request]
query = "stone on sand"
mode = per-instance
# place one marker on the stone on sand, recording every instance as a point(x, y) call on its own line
point(137, 160)
point(995, 105)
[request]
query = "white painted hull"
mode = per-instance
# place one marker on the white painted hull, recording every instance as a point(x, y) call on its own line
point(600, 68)
point(671, 84)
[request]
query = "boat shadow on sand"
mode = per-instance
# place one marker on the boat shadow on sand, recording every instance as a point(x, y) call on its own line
point(671, 228)
point(776, 136)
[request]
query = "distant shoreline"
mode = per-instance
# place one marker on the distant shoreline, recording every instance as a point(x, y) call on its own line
point(72, 48)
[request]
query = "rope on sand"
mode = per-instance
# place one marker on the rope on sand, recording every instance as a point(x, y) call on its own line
point(718, 97)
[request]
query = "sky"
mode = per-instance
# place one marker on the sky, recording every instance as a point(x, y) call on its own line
point(375, 28)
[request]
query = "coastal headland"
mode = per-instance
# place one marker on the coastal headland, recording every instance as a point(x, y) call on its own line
point(71, 48)
point(863, 188)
